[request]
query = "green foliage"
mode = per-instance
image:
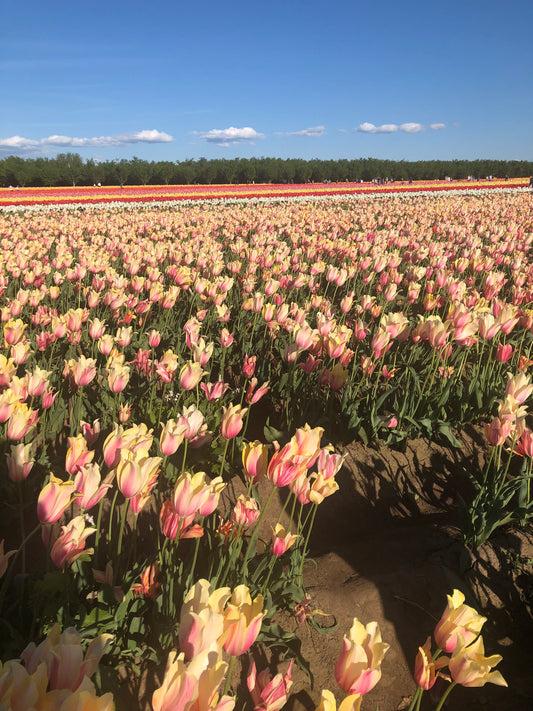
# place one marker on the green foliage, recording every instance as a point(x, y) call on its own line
point(69, 169)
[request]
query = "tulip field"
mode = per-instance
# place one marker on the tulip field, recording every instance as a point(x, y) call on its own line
point(181, 373)
point(165, 193)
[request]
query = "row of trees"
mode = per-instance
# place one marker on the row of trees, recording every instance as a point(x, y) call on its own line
point(71, 169)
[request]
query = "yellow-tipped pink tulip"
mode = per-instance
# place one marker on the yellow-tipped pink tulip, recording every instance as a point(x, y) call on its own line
point(54, 499)
point(470, 667)
point(70, 543)
point(242, 621)
point(457, 619)
point(78, 456)
point(358, 668)
point(255, 460)
point(202, 618)
point(328, 703)
point(232, 421)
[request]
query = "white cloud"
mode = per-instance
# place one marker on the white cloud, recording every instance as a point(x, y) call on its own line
point(409, 127)
point(123, 139)
point(313, 131)
point(227, 136)
point(370, 128)
point(18, 142)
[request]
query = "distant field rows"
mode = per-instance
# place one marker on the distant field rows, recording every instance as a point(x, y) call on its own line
point(43, 196)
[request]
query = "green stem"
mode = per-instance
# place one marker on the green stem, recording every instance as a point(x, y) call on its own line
point(228, 675)
point(255, 534)
point(221, 473)
point(22, 527)
point(416, 700)
point(111, 514)
point(185, 446)
point(11, 569)
point(190, 577)
point(98, 525)
point(445, 695)
point(125, 508)
point(306, 544)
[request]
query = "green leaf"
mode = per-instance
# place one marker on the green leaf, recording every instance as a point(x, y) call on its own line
point(276, 637)
point(271, 433)
point(445, 430)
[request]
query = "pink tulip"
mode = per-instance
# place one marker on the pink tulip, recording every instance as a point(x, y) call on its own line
point(202, 352)
point(74, 319)
point(172, 436)
point(248, 367)
point(7, 370)
point(123, 336)
point(54, 499)
point(118, 376)
point(96, 329)
point(172, 524)
point(329, 463)
point(242, 621)
point(14, 331)
point(20, 352)
point(524, 446)
point(90, 432)
point(70, 543)
point(282, 540)
point(283, 469)
point(245, 512)
point(519, 387)
point(471, 668)
point(21, 421)
point(190, 375)
point(37, 382)
point(358, 668)
point(232, 421)
point(179, 688)
point(253, 397)
point(48, 399)
point(112, 446)
point(214, 391)
point(458, 621)
point(67, 666)
point(19, 463)
point(77, 454)
point(201, 618)
point(87, 483)
point(134, 470)
point(191, 420)
point(193, 492)
point(255, 460)
point(105, 344)
point(81, 371)
point(504, 352)
point(226, 338)
point(154, 338)
point(269, 694)
point(425, 668)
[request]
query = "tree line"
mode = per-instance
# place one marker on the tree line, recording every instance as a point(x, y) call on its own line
point(71, 169)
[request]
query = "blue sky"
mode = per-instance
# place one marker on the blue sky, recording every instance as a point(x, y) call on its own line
point(284, 78)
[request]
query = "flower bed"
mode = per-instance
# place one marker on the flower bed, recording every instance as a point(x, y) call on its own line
point(157, 358)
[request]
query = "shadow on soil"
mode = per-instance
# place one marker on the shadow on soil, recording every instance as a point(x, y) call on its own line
point(388, 548)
